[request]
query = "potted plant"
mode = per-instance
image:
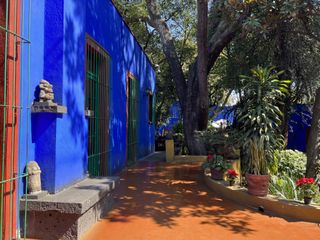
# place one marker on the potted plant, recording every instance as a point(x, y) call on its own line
point(308, 188)
point(217, 166)
point(259, 119)
point(232, 176)
point(206, 165)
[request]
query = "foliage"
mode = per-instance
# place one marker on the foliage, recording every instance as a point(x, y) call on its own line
point(220, 141)
point(259, 116)
point(178, 127)
point(136, 17)
point(308, 187)
point(288, 162)
point(211, 139)
point(284, 34)
point(216, 162)
point(283, 186)
point(280, 33)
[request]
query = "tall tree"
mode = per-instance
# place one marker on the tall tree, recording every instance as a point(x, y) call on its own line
point(187, 85)
point(313, 149)
point(202, 43)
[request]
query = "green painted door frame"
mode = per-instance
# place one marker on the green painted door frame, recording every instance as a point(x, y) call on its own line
point(133, 117)
point(97, 107)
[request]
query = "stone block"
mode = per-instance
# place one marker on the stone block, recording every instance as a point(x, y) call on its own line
point(69, 213)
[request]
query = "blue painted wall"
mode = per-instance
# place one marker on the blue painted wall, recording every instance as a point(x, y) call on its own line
point(299, 124)
point(59, 142)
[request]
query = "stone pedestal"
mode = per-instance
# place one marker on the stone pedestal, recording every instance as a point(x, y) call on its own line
point(169, 150)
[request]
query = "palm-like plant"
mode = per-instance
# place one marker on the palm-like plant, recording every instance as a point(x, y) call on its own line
point(260, 117)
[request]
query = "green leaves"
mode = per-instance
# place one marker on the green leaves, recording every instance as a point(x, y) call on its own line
point(259, 115)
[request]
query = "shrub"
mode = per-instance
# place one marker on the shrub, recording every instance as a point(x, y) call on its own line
point(289, 162)
point(259, 116)
point(283, 187)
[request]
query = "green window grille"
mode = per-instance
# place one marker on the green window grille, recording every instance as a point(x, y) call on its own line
point(97, 107)
point(133, 117)
point(151, 108)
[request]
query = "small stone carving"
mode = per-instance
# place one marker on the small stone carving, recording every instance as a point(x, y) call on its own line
point(34, 179)
point(46, 103)
point(46, 92)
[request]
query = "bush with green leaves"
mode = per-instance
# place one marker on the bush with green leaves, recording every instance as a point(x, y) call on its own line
point(213, 139)
point(288, 162)
point(284, 187)
point(216, 162)
point(259, 116)
point(178, 128)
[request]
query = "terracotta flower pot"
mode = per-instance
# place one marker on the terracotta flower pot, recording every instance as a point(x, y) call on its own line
point(258, 184)
point(232, 182)
point(307, 200)
point(216, 174)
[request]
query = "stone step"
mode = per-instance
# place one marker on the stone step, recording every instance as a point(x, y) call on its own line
point(69, 213)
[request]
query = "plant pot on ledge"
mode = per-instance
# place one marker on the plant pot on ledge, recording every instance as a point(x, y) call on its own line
point(307, 200)
point(258, 184)
point(216, 174)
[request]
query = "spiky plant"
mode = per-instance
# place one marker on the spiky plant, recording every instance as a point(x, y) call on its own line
point(259, 116)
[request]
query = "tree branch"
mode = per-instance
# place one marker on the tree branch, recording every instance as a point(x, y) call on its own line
point(162, 28)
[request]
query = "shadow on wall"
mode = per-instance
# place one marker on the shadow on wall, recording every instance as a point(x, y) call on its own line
point(104, 24)
point(44, 128)
point(74, 74)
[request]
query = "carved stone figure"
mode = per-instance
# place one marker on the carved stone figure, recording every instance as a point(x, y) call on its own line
point(34, 179)
point(46, 92)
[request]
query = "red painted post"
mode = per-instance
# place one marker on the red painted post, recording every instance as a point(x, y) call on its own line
point(12, 114)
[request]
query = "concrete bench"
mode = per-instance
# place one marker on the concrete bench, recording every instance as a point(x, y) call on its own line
point(69, 213)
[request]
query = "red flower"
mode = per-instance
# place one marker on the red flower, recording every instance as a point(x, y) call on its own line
point(311, 180)
point(210, 156)
point(232, 173)
point(305, 181)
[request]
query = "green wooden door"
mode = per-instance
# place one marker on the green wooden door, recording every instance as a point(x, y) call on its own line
point(97, 107)
point(133, 90)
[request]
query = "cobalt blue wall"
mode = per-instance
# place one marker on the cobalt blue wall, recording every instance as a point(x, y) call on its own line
point(57, 52)
point(105, 25)
point(299, 124)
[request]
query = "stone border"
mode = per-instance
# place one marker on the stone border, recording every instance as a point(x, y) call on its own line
point(189, 159)
point(282, 208)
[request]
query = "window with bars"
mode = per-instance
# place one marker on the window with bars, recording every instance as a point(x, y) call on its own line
point(97, 107)
point(133, 118)
point(151, 108)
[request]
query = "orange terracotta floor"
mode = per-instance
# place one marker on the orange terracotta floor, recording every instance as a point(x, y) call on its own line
point(158, 201)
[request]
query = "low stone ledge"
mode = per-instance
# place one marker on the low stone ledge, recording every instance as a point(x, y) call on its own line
point(75, 199)
point(189, 159)
point(69, 213)
point(280, 207)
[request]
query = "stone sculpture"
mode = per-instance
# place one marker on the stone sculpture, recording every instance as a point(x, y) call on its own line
point(45, 100)
point(34, 179)
point(46, 92)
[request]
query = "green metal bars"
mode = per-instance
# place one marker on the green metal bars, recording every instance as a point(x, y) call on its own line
point(97, 107)
point(12, 17)
point(133, 98)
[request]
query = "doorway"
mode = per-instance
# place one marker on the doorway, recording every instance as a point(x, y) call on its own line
point(133, 95)
point(97, 107)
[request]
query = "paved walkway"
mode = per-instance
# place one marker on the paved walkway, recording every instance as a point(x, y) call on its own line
point(157, 201)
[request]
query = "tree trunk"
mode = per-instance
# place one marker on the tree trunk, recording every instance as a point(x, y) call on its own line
point(313, 149)
point(190, 111)
point(202, 43)
point(193, 92)
point(282, 60)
